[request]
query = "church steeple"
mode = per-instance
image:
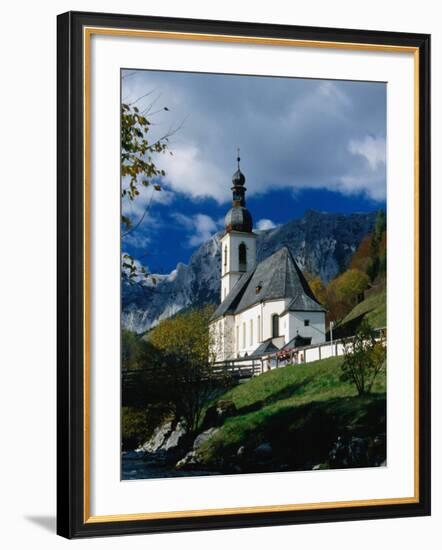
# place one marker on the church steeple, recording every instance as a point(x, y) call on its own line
point(238, 243)
point(238, 189)
point(238, 218)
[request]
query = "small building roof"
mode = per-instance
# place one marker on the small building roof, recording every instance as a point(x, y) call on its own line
point(265, 348)
point(275, 278)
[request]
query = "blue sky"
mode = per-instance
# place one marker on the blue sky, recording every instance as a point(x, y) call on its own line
point(305, 144)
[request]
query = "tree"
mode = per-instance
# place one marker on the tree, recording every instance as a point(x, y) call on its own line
point(343, 292)
point(184, 377)
point(138, 169)
point(140, 412)
point(186, 334)
point(135, 427)
point(364, 357)
point(132, 350)
point(317, 286)
point(351, 284)
point(380, 225)
point(362, 258)
point(137, 164)
point(378, 247)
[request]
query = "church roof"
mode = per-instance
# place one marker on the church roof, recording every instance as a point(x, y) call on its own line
point(278, 277)
point(231, 301)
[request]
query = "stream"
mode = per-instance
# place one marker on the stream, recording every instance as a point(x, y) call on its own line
point(149, 469)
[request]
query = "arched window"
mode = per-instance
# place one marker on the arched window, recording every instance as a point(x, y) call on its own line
point(259, 329)
point(225, 258)
point(242, 257)
point(243, 335)
point(275, 325)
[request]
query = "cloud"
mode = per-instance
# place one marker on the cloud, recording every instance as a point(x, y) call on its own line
point(137, 239)
point(200, 226)
point(148, 197)
point(293, 133)
point(372, 149)
point(145, 220)
point(264, 224)
point(370, 176)
point(188, 172)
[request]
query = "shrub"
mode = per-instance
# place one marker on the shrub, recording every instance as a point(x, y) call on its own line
point(364, 357)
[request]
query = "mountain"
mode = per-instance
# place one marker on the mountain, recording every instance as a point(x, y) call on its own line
point(322, 243)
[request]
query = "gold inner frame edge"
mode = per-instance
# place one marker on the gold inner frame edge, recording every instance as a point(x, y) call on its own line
point(87, 33)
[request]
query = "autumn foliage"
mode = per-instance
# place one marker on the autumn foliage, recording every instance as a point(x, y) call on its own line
point(345, 291)
point(367, 266)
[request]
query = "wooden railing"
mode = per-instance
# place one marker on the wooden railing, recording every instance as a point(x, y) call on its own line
point(244, 368)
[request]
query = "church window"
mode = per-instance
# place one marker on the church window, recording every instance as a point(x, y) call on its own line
point(306, 322)
point(251, 332)
point(237, 337)
point(225, 258)
point(243, 335)
point(259, 329)
point(242, 257)
point(275, 325)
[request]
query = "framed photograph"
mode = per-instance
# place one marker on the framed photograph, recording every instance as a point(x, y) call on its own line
point(235, 346)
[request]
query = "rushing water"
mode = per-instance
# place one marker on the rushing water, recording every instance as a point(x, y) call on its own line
point(142, 469)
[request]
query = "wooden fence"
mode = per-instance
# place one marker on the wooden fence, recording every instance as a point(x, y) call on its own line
point(244, 368)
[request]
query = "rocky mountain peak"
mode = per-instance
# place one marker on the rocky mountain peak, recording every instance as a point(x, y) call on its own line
point(322, 243)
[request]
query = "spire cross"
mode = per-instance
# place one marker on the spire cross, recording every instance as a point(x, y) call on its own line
point(238, 157)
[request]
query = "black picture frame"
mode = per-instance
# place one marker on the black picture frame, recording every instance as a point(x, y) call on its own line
point(71, 519)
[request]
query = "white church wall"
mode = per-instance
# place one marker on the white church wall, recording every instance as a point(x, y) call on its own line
point(233, 239)
point(240, 334)
point(269, 309)
point(315, 329)
point(254, 325)
point(215, 333)
point(227, 283)
point(223, 338)
point(229, 339)
point(230, 268)
point(248, 330)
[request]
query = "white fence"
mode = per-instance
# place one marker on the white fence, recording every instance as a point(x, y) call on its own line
point(246, 367)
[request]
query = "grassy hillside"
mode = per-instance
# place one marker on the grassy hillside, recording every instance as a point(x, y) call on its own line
point(300, 411)
point(373, 308)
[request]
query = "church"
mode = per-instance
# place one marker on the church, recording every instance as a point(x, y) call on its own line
point(264, 307)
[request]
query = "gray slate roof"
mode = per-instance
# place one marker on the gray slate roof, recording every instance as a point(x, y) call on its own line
point(265, 347)
point(279, 278)
point(231, 301)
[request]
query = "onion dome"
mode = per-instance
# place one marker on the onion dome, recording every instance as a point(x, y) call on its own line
point(238, 178)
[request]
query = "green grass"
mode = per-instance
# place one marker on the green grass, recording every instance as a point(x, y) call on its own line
point(300, 410)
